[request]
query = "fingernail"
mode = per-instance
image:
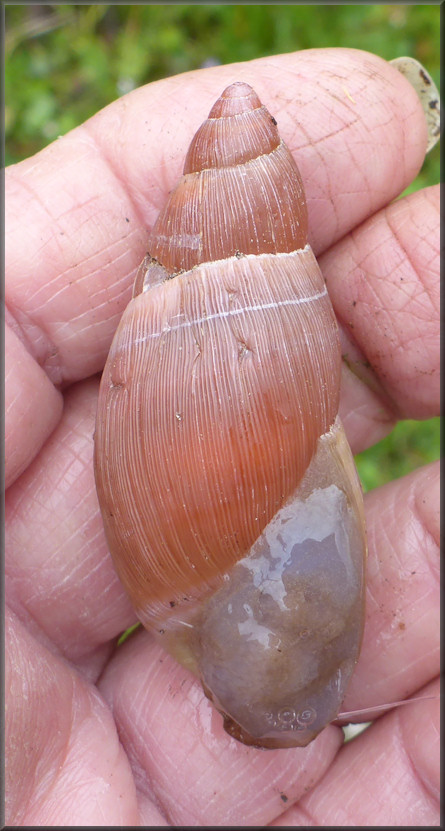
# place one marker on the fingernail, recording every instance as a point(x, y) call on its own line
point(428, 94)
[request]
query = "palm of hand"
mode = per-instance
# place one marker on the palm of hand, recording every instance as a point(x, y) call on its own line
point(70, 692)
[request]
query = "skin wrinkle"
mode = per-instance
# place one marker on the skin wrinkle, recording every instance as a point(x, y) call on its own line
point(434, 567)
point(80, 208)
point(413, 505)
point(143, 784)
point(405, 670)
point(79, 563)
point(406, 259)
point(416, 519)
point(385, 417)
point(329, 135)
point(356, 235)
point(144, 780)
point(341, 815)
point(388, 412)
point(377, 565)
point(115, 170)
point(41, 488)
point(73, 763)
point(344, 101)
point(16, 507)
point(413, 538)
point(77, 567)
point(359, 266)
point(71, 284)
point(390, 620)
point(55, 238)
point(367, 190)
point(236, 785)
point(374, 302)
point(431, 542)
point(431, 792)
point(276, 782)
point(106, 288)
point(28, 618)
point(372, 608)
point(387, 524)
point(306, 815)
point(31, 344)
point(404, 290)
point(415, 774)
point(327, 92)
point(24, 184)
point(61, 756)
point(43, 327)
point(326, 198)
point(87, 276)
point(405, 253)
point(150, 205)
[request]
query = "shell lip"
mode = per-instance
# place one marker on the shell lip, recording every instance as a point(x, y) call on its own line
point(281, 740)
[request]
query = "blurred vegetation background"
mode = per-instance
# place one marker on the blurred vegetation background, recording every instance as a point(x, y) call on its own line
point(64, 62)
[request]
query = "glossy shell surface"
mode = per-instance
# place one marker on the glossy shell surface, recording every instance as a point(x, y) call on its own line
point(228, 492)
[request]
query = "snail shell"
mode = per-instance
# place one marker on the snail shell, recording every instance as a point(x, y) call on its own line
point(229, 496)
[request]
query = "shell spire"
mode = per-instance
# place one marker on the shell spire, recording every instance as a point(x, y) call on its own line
point(239, 128)
point(241, 191)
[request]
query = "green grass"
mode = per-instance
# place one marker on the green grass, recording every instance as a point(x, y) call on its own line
point(64, 62)
point(125, 635)
point(410, 445)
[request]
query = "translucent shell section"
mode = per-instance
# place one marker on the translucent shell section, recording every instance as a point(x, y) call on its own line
point(218, 385)
point(241, 192)
point(276, 645)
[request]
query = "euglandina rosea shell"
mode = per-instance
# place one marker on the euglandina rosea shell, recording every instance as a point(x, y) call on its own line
point(229, 496)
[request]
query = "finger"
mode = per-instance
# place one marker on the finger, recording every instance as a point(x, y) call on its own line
point(354, 122)
point(26, 426)
point(59, 575)
point(388, 776)
point(181, 756)
point(400, 651)
point(383, 279)
point(65, 765)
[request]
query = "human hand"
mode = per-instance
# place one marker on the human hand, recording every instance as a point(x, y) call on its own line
point(104, 735)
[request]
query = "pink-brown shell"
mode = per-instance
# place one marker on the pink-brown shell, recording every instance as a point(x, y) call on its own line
point(217, 428)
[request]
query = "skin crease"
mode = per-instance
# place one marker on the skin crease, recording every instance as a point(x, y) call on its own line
point(126, 737)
